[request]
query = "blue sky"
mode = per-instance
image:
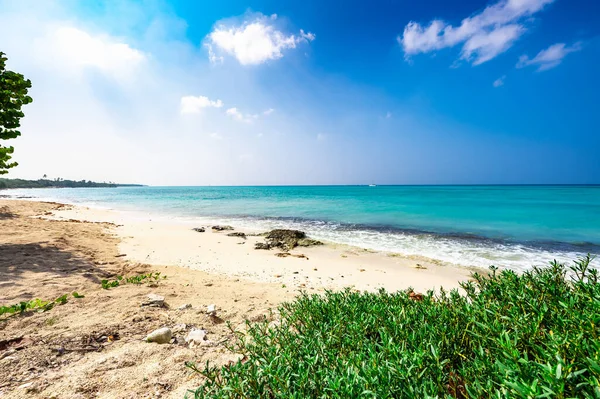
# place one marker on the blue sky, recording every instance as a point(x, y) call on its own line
point(313, 92)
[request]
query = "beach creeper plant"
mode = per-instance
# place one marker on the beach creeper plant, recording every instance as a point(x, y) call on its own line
point(152, 277)
point(36, 305)
point(13, 95)
point(508, 335)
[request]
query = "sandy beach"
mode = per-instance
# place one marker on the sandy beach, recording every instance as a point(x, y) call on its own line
point(49, 249)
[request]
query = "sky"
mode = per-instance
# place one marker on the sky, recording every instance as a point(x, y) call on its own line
point(268, 92)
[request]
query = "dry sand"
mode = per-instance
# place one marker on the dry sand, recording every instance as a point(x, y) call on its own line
point(47, 250)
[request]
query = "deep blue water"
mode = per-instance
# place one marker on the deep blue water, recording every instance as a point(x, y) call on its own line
point(510, 226)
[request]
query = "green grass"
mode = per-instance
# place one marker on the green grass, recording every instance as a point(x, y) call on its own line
point(139, 279)
point(530, 335)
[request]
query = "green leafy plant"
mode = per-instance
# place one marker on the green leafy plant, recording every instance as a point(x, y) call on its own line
point(508, 335)
point(36, 304)
point(138, 279)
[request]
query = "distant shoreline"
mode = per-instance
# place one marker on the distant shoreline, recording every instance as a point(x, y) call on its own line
point(57, 183)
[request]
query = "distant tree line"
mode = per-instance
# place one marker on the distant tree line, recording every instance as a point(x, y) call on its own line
point(58, 182)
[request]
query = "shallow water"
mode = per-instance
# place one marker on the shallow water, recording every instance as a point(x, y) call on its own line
point(508, 226)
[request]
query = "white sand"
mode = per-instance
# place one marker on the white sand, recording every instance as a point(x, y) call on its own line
point(163, 242)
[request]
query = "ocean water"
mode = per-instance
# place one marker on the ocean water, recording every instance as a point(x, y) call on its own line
point(513, 227)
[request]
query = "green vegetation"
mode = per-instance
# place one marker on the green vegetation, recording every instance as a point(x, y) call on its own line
point(13, 95)
point(36, 304)
point(139, 279)
point(533, 335)
point(58, 182)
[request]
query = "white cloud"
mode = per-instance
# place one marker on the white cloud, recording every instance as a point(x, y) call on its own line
point(193, 105)
point(484, 35)
point(550, 57)
point(237, 115)
point(76, 50)
point(268, 112)
point(499, 82)
point(253, 42)
point(216, 136)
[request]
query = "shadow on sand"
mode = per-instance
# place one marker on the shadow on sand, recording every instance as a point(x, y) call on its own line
point(19, 261)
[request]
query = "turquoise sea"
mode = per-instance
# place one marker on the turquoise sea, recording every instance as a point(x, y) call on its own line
point(508, 226)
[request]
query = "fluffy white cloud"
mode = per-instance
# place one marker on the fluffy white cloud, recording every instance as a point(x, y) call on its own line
point(268, 112)
point(193, 105)
point(550, 57)
point(253, 42)
point(78, 49)
point(237, 115)
point(499, 82)
point(216, 136)
point(484, 35)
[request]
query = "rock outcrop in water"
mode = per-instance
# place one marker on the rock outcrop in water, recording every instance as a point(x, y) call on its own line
point(286, 240)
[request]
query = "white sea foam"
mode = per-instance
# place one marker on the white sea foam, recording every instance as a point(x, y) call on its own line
point(451, 250)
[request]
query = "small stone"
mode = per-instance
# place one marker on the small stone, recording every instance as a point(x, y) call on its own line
point(185, 306)
point(160, 336)
point(179, 328)
point(262, 245)
point(199, 229)
point(154, 300)
point(211, 310)
point(196, 337)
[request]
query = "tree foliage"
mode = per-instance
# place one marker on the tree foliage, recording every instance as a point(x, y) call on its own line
point(13, 95)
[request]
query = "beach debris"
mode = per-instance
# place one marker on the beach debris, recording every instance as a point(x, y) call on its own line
point(16, 344)
point(221, 228)
point(160, 336)
point(120, 255)
point(420, 266)
point(286, 240)
point(185, 306)
point(211, 310)
point(237, 234)
point(196, 337)
point(361, 270)
point(199, 229)
point(414, 296)
point(154, 300)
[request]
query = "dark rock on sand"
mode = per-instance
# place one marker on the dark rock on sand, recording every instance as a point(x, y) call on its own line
point(286, 240)
point(262, 245)
point(237, 234)
point(199, 229)
point(222, 228)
